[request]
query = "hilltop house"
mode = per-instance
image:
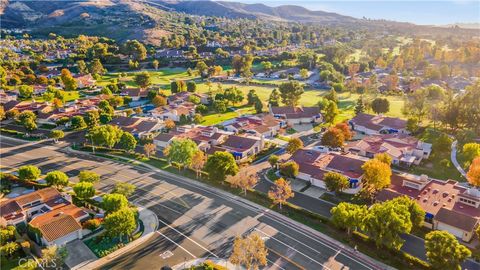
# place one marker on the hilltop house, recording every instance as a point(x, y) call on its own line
point(53, 217)
point(313, 165)
point(448, 205)
point(378, 124)
point(404, 150)
point(297, 115)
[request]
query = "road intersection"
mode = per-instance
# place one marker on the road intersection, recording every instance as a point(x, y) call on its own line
point(195, 220)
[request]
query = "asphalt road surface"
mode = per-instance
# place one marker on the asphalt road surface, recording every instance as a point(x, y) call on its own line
point(195, 221)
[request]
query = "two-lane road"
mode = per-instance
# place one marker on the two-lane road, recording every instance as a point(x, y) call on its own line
point(195, 220)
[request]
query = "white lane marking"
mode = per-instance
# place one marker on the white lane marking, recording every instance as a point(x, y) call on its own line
point(232, 199)
point(290, 247)
point(193, 241)
point(184, 249)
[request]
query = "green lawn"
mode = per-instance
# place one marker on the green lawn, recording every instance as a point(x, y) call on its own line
point(217, 118)
point(162, 76)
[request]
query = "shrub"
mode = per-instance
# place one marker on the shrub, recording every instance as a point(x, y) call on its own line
point(91, 224)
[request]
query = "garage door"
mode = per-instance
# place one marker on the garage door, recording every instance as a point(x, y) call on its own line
point(457, 232)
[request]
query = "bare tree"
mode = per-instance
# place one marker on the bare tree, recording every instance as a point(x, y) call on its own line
point(280, 192)
point(244, 180)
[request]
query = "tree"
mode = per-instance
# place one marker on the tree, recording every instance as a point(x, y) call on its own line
point(336, 182)
point(9, 249)
point(202, 69)
point(289, 169)
point(333, 137)
point(473, 174)
point(384, 157)
point(57, 179)
point(274, 99)
point(332, 95)
point(191, 86)
point(88, 176)
point(120, 223)
point(304, 73)
point(219, 165)
point(92, 118)
point(243, 180)
point(54, 256)
point(181, 151)
point(442, 143)
point(417, 214)
point(70, 84)
point(82, 67)
point(291, 92)
point(155, 64)
point(220, 106)
point(293, 145)
point(348, 216)
point(126, 189)
point(96, 67)
point(149, 149)
point(249, 251)
point(78, 123)
point(471, 151)
point(444, 251)
point(280, 192)
point(114, 202)
point(7, 234)
point(376, 176)
point(25, 91)
point(273, 160)
point(84, 190)
point(251, 97)
point(360, 106)
point(380, 105)
point(28, 173)
point(135, 49)
point(56, 134)
point(2, 113)
point(143, 79)
point(27, 120)
point(127, 142)
point(106, 135)
point(330, 112)
point(345, 129)
point(198, 161)
point(412, 124)
point(385, 222)
point(258, 106)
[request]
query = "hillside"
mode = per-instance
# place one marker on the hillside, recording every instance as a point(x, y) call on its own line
point(150, 20)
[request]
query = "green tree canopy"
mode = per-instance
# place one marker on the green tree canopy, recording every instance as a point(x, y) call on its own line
point(291, 92)
point(114, 202)
point(219, 165)
point(336, 182)
point(444, 251)
point(349, 216)
point(84, 190)
point(181, 151)
point(127, 142)
point(120, 223)
point(57, 179)
point(28, 173)
point(88, 176)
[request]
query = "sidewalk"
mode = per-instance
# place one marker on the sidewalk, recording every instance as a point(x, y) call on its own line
point(150, 222)
point(453, 157)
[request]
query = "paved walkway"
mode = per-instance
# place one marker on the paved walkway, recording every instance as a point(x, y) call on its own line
point(150, 222)
point(453, 157)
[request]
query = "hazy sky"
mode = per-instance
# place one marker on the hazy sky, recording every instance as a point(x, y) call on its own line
point(419, 12)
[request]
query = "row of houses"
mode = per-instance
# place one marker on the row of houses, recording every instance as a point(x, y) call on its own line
point(52, 215)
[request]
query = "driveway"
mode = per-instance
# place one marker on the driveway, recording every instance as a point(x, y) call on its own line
point(78, 254)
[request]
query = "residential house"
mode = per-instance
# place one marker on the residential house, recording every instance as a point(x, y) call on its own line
point(448, 205)
point(135, 93)
point(204, 137)
point(85, 81)
point(139, 127)
point(240, 147)
point(181, 97)
point(378, 124)
point(52, 213)
point(174, 111)
point(297, 115)
point(313, 165)
point(263, 125)
point(404, 150)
